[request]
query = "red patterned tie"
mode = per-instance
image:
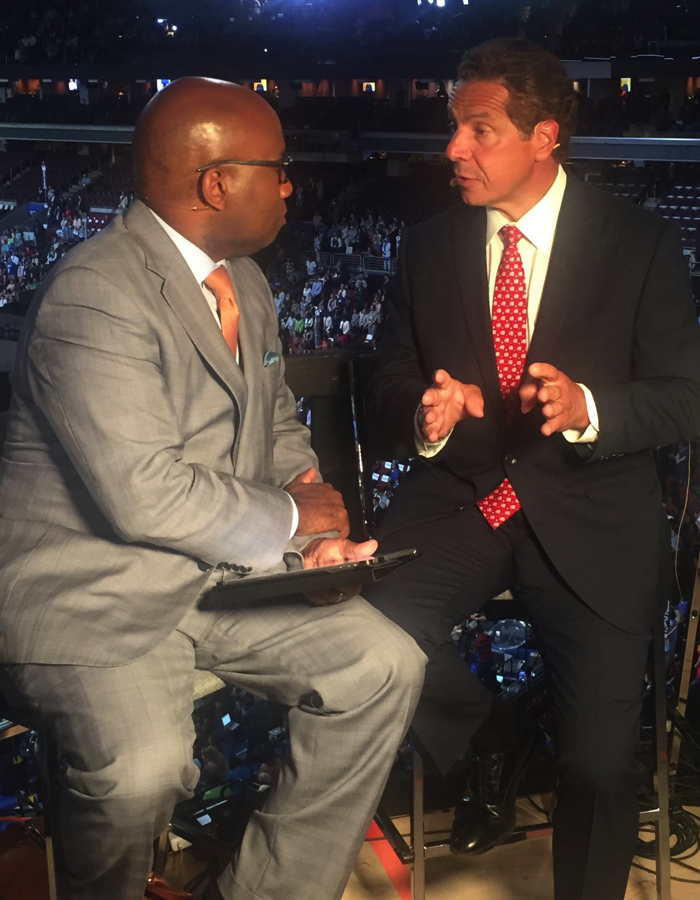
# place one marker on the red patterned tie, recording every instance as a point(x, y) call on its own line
point(509, 325)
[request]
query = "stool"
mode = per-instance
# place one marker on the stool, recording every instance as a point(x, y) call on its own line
point(416, 850)
point(19, 721)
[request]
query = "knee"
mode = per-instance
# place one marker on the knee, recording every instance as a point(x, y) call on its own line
point(382, 664)
point(405, 661)
point(394, 659)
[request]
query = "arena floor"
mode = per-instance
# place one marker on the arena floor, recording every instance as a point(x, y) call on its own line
point(520, 871)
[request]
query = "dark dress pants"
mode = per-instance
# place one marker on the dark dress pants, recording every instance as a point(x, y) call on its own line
point(596, 674)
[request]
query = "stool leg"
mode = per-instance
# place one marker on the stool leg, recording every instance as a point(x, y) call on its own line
point(418, 829)
point(48, 761)
point(160, 853)
point(662, 825)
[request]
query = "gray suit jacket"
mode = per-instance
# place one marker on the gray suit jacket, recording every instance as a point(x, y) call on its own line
point(137, 453)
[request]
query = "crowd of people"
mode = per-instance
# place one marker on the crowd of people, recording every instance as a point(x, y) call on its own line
point(27, 253)
point(323, 294)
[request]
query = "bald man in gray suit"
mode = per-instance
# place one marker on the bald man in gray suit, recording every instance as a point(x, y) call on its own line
point(143, 451)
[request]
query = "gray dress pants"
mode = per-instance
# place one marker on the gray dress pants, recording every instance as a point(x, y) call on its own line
point(127, 734)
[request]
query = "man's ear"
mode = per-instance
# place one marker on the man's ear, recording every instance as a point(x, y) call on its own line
point(213, 187)
point(547, 135)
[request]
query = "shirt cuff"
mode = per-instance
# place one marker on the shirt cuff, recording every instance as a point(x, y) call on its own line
point(425, 448)
point(295, 517)
point(590, 434)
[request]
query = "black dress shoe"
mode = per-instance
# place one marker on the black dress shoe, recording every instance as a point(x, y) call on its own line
point(486, 816)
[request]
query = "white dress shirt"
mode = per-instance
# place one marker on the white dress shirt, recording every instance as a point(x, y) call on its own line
point(202, 265)
point(538, 227)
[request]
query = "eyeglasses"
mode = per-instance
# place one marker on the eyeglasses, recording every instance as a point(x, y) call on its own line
point(281, 164)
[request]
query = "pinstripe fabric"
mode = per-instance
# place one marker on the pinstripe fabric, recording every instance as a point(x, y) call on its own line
point(136, 453)
point(135, 448)
point(127, 732)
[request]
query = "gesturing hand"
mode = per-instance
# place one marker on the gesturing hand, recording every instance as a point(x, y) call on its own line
point(446, 402)
point(320, 506)
point(329, 552)
point(564, 403)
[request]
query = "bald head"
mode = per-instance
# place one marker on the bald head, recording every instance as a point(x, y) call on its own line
point(192, 123)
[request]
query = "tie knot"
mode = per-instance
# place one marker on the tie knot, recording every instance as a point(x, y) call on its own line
point(219, 283)
point(510, 235)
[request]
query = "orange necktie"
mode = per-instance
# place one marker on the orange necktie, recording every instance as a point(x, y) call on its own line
point(220, 285)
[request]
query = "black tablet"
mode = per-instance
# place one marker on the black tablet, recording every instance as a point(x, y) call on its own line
point(287, 586)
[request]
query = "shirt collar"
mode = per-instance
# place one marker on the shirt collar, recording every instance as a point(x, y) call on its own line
point(200, 264)
point(539, 223)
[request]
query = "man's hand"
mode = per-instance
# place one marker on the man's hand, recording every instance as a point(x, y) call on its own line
point(330, 552)
point(564, 403)
point(446, 402)
point(320, 506)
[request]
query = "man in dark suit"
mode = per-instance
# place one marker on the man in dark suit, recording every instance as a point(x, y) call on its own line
point(540, 341)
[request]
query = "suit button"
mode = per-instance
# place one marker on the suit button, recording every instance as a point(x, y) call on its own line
point(510, 460)
point(203, 567)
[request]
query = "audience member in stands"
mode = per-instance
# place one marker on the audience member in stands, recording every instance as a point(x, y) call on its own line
point(163, 452)
point(537, 476)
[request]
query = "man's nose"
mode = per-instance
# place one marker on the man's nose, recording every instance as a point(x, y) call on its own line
point(460, 147)
point(286, 189)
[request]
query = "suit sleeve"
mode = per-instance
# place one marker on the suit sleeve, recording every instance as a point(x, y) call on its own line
point(399, 383)
point(660, 404)
point(94, 370)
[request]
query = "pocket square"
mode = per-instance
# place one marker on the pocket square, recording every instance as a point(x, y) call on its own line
point(270, 358)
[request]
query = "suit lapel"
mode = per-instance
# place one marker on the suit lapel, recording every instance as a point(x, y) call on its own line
point(184, 296)
point(566, 274)
point(469, 253)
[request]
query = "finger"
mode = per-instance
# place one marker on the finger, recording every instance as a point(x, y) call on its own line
point(552, 391)
point(552, 410)
point(544, 372)
point(307, 477)
point(555, 424)
point(474, 403)
point(430, 398)
point(528, 397)
point(441, 378)
point(363, 550)
point(323, 598)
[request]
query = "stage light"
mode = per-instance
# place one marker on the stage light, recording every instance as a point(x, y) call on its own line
point(440, 2)
point(160, 21)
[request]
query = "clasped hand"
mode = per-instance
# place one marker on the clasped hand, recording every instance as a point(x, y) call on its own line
point(448, 401)
point(321, 508)
point(319, 505)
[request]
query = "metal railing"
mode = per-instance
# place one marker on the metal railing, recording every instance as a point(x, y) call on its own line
point(359, 262)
